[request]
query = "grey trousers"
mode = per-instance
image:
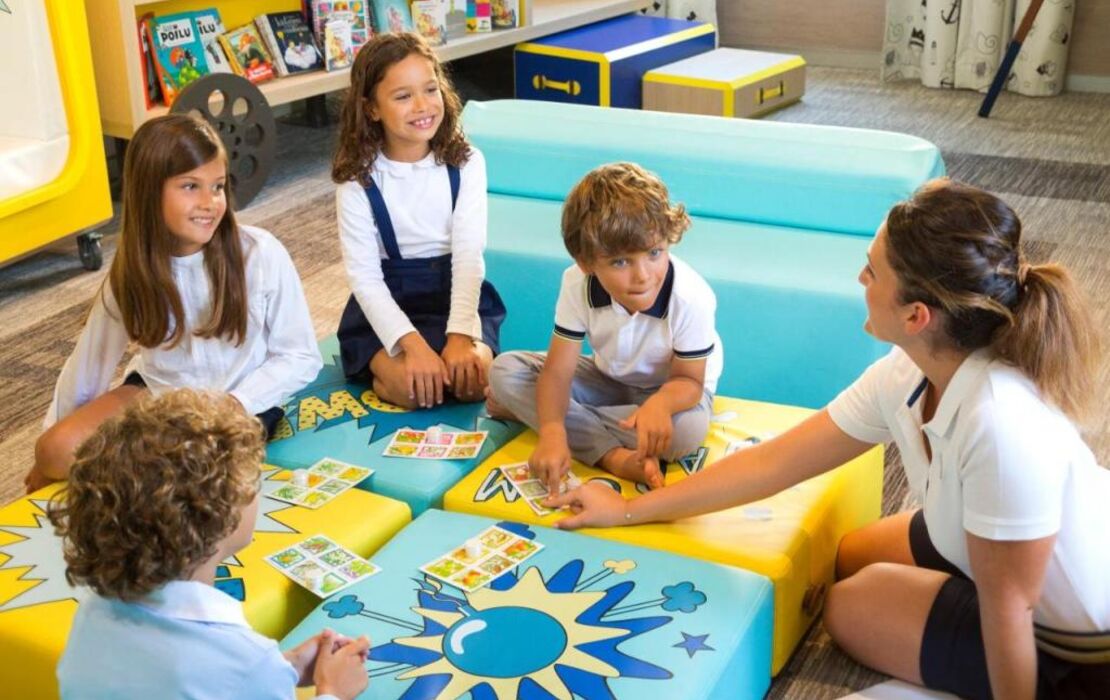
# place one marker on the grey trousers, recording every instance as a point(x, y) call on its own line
point(597, 404)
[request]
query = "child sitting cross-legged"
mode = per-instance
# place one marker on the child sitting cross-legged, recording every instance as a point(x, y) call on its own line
point(157, 498)
point(647, 392)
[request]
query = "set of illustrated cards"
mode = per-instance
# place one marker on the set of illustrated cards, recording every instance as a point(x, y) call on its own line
point(435, 444)
point(321, 565)
point(481, 559)
point(531, 489)
point(323, 481)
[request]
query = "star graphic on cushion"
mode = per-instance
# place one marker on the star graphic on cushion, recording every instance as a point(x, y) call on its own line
point(693, 643)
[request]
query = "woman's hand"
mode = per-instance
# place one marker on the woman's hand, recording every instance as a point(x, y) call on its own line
point(425, 373)
point(466, 372)
point(593, 504)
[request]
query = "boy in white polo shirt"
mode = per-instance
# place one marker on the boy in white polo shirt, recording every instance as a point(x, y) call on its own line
point(647, 392)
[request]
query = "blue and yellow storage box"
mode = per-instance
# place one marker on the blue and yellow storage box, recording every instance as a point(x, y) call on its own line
point(603, 63)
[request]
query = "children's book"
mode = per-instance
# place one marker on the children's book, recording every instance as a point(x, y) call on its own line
point(478, 16)
point(247, 54)
point(503, 14)
point(430, 19)
point(178, 53)
point(290, 42)
point(360, 17)
point(338, 53)
point(152, 89)
point(210, 28)
point(392, 16)
point(456, 18)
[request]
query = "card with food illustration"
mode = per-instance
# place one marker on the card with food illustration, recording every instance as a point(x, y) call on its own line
point(323, 481)
point(532, 490)
point(435, 444)
point(489, 554)
point(322, 566)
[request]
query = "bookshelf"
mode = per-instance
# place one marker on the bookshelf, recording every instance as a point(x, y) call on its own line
point(116, 57)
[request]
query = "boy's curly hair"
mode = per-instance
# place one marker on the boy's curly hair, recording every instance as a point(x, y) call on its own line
point(154, 490)
point(620, 208)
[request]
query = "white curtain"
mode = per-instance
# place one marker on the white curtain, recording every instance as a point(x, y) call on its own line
point(959, 44)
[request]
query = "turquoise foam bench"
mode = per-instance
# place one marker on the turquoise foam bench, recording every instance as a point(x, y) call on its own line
point(344, 420)
point(782, 218)
point(823, 178)
point(583, 617)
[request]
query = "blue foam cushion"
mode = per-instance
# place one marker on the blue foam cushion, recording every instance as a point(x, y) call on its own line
point(583, 616)
point(789, 309)
point(796, 175)
point(344, 420)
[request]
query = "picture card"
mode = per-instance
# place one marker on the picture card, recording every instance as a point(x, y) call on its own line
point(531, 489)
point(435, 443)
point(321, 565)
point(323, 481)
point(481, 559)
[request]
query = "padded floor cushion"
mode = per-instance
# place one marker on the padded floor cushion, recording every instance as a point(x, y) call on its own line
point(791, 537)
point(37, 605)
point(345, 420)
point(583, 617)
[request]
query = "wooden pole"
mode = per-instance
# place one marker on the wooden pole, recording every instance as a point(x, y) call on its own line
point(1012, 51)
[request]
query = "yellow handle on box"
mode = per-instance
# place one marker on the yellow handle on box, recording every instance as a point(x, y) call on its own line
point(570, 87)
point(770, 93)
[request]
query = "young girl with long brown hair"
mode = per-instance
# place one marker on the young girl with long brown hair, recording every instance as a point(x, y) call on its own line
point(999, 585)
point(412, 226)
point(210, 304)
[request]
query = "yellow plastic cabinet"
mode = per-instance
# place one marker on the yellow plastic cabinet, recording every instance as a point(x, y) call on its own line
point(53, 178)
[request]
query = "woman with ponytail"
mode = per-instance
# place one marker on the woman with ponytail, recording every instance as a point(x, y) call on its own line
point(999, 585)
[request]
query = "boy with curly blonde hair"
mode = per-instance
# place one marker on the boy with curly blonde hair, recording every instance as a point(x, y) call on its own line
point(647, 392)
point(157, 498)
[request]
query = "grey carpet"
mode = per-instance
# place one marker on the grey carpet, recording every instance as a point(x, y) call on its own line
point(1049, 158)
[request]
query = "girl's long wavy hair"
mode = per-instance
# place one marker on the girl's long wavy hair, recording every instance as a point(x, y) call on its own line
point(361, 138)
point(958, 249)
point(141, 277)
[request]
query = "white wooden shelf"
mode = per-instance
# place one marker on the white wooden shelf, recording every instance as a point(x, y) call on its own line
point(119, 74)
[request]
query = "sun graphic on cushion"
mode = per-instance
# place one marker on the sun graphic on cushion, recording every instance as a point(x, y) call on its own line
point(507, 636)
point(372, 400)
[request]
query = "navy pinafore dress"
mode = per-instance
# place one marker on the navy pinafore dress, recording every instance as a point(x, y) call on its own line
point(421, 287)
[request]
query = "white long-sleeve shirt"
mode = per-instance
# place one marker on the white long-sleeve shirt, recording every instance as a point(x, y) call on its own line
point(418, 197)
point(278, 356)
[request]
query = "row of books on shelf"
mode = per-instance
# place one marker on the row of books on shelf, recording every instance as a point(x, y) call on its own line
point(178, 49)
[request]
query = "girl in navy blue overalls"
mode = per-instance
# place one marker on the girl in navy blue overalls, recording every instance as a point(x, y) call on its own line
point(422, 322)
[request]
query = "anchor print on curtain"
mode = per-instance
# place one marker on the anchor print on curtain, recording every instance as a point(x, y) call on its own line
point(960, 43)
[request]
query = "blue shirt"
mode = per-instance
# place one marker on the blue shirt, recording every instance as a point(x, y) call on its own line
point(185, 640)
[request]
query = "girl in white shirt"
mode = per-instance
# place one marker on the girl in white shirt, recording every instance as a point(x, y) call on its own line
point(211, 304)
point(412, 226)
point(1000, 585)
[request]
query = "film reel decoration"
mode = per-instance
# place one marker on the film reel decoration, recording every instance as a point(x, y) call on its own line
point(245, 123)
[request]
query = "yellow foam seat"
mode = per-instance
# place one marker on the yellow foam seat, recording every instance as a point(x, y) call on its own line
point(791, 538)
point(37, 605)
